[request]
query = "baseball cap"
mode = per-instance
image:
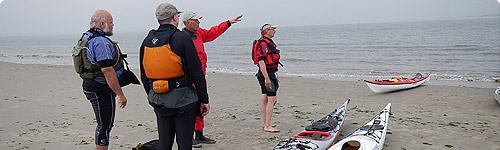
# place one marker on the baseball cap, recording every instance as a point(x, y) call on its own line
point(265, 26)
point(190, 15)
point(165, 11)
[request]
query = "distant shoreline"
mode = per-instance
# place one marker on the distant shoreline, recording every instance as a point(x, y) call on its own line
point(432, 81)
point(119, 32)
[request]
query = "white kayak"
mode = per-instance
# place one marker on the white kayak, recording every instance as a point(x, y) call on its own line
point(379, 86)
point(370, 136)
point(497, 94)
point(320, 135)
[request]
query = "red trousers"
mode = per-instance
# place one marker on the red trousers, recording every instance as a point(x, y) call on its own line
point(199, 125)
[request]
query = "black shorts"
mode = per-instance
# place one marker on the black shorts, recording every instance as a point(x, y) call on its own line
point(274, 83)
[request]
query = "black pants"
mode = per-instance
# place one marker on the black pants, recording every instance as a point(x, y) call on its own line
point(176, 122)
point(102, 99)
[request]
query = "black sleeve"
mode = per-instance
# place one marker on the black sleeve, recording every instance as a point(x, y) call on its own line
point(105, 63)
point(184, 42)
point(144, 79)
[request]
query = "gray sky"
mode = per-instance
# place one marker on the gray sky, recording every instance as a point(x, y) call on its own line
point(33, 17)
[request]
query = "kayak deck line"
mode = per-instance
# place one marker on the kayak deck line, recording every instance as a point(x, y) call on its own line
point(320, 135)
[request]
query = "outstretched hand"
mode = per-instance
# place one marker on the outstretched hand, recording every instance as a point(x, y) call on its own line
point(235, 20)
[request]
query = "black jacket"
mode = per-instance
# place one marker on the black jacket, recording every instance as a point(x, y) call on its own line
point(181, 44)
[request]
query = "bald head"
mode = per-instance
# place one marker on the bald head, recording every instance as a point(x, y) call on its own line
point(101, 12)
point(103, 20)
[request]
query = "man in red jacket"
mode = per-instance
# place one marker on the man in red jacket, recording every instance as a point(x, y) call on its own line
point(200, 36)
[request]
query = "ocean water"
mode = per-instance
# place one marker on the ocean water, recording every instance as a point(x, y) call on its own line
point(464, 49)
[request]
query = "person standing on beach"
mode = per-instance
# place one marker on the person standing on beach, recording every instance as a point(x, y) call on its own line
point(266, 56)
point(100, 76)
point(169, 66)
point(200, 36)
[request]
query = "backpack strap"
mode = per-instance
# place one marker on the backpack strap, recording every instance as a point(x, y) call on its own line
point(97, 33)
point(272, 50)
point(268, 45)
point(260, 47)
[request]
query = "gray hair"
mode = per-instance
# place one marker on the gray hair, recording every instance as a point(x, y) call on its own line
point(166, 21)
point(94, 20)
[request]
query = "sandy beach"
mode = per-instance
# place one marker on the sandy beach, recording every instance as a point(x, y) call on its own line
point(43, 107)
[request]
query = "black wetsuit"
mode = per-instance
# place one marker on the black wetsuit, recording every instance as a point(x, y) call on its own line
point(100, 95)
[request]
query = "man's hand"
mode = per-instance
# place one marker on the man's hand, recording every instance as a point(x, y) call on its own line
point(204, 108)
point(122, 101)
point(267, 82)
point(235, 20)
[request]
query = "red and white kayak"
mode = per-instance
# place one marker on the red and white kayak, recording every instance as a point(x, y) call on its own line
point(318, 136)
point(398, 83)
point(370, 136)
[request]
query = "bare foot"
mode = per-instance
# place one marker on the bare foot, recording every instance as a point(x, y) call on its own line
point(271, 129)
point(272, 125)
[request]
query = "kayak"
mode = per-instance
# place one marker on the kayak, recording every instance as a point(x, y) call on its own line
point(497, 94)
point(398, 83)
point(320, 135)
point(370, 136)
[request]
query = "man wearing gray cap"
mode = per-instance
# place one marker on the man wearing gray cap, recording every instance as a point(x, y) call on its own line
point(200, 36)
point(266, 56)
point(169, 67)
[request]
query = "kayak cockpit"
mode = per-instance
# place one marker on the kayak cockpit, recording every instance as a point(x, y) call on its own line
point(351, 145)
point(318, 135)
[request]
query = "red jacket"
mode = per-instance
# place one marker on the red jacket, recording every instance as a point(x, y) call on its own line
point(202, 35)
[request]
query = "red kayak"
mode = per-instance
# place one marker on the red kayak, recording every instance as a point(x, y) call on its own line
point(397, 83)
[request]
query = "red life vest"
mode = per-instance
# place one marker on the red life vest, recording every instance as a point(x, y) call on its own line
point(272, 54)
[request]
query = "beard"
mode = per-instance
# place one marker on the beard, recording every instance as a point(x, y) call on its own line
point(108, 31)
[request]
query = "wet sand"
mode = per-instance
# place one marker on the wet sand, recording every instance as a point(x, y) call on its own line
point(43, 107)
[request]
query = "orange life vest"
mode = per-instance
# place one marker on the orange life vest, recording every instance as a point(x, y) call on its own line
point(163, 66)
point(162, 63)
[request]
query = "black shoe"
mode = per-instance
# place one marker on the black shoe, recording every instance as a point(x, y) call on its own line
point(205, 140)
point(202, 139)
point(196, 144)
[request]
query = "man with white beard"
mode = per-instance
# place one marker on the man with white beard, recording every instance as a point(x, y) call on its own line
point(100, 66)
